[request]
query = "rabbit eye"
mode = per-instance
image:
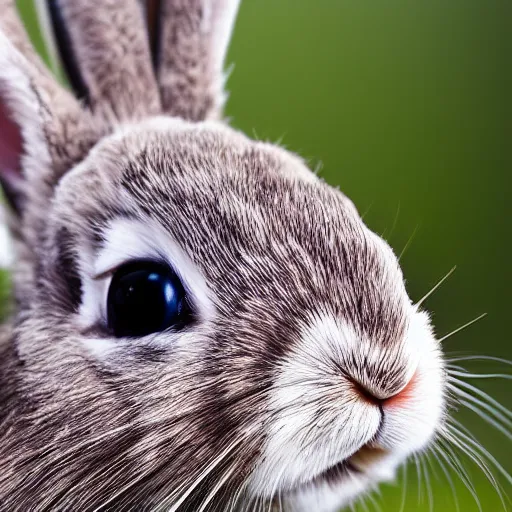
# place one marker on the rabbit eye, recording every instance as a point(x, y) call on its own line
point(145, 297)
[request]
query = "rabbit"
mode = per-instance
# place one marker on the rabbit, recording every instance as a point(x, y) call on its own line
point(200, 322)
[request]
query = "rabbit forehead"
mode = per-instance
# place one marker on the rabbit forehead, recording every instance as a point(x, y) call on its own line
point(259, 233)
point(177, 146)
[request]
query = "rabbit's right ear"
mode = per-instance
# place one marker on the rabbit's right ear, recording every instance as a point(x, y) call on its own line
point(190, 41)
point(43, 129)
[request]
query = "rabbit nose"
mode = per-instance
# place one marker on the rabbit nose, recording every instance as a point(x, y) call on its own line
point(397, 399)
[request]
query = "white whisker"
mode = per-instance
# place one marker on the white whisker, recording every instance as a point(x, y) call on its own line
point(362, 501)
point(461, 396)
point(473, 442)
point(467, 375)
point(216, 489)
point(406, 246)
point(374, 502)
point(454, 462)
point(478, 358)
point(428, 485)
point(453, 383)
point(447, 475)
point(395, 221)
point(435, 287)
point(462, 327)
point(420, 479)
point(431, 465)
point(487, 418)
point(465, 447)
point(205, 473)
point(404, 489)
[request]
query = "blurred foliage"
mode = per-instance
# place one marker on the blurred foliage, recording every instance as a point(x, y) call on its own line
point(5, 286)
point(407, 105)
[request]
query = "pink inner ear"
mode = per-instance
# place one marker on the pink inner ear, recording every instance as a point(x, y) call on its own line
point(11, 147)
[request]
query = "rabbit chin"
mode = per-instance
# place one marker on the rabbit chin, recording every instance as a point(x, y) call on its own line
point(340, 485)
point(343, 483)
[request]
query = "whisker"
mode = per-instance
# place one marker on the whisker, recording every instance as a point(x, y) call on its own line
point(374, 502)
point(395, 220)
point(367, 211)
point(473, 441)
point(428, 485)
point(216, 489)
point(482, 394)
point(478, 358)
point(462, 398)
point(406, 246)
point(462, 327)
point(447, 475)
point(404, 489)
point(420, 479)
point(455, 367)
point(206, 472)
point(454, 438)
point(453, 462)
point(430, 464)
point(435, 287)
point(487, 418)
point(362, 501)
point(467, 375)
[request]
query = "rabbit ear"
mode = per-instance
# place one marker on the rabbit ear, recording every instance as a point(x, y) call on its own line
point(191, 41)
point(105, 50)
point(43, 129)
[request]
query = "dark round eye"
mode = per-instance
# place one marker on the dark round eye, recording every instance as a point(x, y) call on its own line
point(145, 297)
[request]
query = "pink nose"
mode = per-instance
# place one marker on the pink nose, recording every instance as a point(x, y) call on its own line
point(397, 400)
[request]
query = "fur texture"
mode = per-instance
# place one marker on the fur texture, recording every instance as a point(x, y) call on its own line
point(306, 375)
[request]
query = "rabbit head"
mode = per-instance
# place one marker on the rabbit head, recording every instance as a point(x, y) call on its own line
point(200, 321)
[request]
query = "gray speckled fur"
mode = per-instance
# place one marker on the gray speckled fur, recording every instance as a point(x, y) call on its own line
point(273, 242)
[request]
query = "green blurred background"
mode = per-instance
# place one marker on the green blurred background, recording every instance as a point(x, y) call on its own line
point(406, 105)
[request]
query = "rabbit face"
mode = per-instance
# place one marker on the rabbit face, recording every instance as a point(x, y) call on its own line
point(301, 352)
point(200, 320)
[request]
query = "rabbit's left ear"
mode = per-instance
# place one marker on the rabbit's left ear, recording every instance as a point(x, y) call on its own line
point(43, 130)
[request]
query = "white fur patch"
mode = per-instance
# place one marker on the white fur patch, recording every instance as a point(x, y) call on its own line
point(326, 497)
point(304, 438)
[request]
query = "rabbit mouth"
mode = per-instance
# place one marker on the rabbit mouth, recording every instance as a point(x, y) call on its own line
point(335, 474)
point(357, 464)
